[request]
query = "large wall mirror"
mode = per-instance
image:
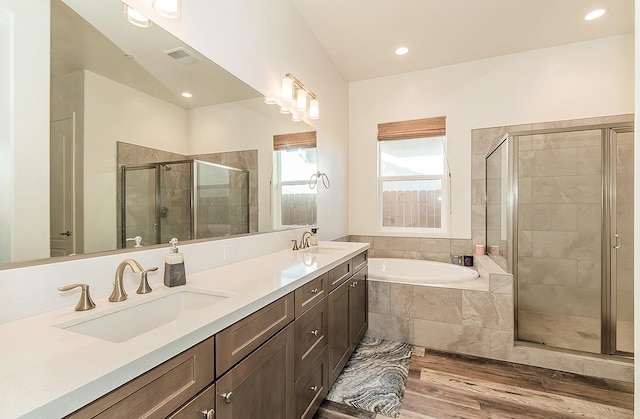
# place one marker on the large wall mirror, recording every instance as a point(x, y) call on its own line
point(131, 157)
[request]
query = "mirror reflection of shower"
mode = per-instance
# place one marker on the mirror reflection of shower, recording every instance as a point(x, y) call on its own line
point(186, 199)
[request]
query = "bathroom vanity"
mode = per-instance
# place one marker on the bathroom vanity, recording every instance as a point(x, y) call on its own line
point(283, 329)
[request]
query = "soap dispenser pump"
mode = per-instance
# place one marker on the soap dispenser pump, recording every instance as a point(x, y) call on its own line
point(174, 274)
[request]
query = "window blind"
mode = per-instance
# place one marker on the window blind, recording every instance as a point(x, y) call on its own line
point(296, 140)
point(417, 128)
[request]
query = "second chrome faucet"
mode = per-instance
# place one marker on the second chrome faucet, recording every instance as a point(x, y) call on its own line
point(119, 294)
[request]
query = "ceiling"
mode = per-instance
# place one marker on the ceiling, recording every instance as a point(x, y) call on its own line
point(362, 35)
point(94, 36)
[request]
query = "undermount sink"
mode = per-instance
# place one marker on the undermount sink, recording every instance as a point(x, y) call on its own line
point(122, 325)
point(323, 250)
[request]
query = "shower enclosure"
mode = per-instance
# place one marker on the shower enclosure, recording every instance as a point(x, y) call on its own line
point(186, 199)
point(567, 196)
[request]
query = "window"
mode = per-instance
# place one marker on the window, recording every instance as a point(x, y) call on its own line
point(412, 177)
point(294, 201)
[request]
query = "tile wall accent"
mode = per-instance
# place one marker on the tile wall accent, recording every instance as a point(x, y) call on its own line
point(414, 247)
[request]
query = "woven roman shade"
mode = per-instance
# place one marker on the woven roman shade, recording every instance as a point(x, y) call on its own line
point(417, 128)
point(297, 140)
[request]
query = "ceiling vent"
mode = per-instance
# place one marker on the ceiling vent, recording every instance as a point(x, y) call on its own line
point(183, 55)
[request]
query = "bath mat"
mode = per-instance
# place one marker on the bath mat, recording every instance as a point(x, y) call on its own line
point(374, 377)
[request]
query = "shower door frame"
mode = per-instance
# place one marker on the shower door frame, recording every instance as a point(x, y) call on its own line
point(608, 315)
point(157, 167)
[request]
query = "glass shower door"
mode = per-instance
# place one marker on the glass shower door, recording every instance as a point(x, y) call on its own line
point(622, 241)
point(559, 238)
point(139, 205)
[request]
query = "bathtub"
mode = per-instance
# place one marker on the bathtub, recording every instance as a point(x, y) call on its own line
point(419, 272)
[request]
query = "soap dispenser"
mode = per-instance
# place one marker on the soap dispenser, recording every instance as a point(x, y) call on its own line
point(174, 274)
point(313, 240)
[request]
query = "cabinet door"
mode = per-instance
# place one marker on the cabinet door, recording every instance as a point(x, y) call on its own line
point(261, 385)
point(202, 406)
point(358, 306)
point(339, 337)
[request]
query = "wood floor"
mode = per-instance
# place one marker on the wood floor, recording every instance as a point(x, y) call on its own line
point(443, 385)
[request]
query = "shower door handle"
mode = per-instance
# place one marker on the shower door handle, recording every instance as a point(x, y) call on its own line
point(618, 245)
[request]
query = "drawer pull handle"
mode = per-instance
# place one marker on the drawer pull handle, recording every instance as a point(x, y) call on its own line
point(354, 284)
point(314, 291)
point(313, 388)
point(227, 396)
point(208, 414)
point(314, 332)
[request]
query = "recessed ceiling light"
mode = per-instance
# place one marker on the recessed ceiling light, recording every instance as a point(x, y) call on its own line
point(186, 94)
point(402, 50)
point(595, 14)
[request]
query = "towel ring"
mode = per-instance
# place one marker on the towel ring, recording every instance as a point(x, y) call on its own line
point(313, 181)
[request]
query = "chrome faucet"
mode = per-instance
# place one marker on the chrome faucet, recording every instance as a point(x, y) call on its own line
point(304, 242)
point(119, 293)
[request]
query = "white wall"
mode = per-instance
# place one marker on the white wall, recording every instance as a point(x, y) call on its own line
point(573, 81)
point(114, 112)
point(260, 41)
point(26, 138)
point(6, 128)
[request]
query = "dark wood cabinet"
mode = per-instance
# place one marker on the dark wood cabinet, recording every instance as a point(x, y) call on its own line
point(312, 387)
point(262, 384)
point(358, 306)
point(241, 338)
point(160, 391)
point(202, 406)
point(339, 337)
point(348, 321)
point(311, 336)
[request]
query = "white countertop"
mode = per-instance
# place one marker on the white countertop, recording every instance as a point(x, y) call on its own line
point(48, 371)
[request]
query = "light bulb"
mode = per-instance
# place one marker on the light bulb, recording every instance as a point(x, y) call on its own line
point(136, 18)
point(301, 100)
point(287, 90)
point(314, 111)
point(595, 14)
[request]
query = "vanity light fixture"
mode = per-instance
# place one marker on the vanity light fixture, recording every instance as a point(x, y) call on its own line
point(136, 18)
point(296, 99)
point(167, 8)
point(595, 14)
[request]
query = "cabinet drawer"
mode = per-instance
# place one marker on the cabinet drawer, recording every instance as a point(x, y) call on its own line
point(262, 384)
point(310, 336)
point(360, 261)
point(199, 407)
point(312, 387)
point(157, 393)
point(240, 339)
point(309, 294)
point(339, 274)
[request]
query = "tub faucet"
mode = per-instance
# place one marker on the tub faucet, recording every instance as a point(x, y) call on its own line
point(119, 293)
